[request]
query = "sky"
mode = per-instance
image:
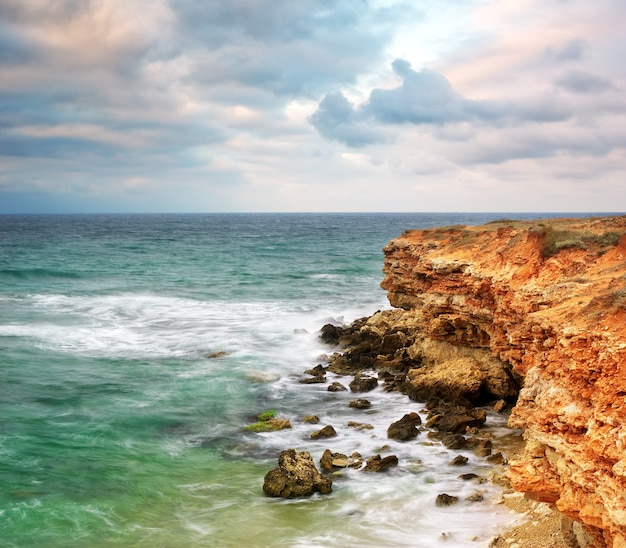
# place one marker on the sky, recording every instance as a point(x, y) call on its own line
point(312, 105)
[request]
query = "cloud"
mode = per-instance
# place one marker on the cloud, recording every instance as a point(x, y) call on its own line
point(207, 104)
point(425, 97)
point(578, 81)
point(337, 119)
point(573, 50)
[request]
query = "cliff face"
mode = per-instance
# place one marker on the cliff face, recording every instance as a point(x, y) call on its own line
point(548, 298)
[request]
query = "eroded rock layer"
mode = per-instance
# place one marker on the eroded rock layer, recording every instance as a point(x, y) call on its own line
point(548, 300)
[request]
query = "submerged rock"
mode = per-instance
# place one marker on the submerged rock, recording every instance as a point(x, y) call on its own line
point(295, 476)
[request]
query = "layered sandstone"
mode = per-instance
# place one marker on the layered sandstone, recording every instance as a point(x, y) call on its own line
point(547, 300)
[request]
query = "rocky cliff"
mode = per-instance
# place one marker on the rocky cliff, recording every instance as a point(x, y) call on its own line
point(547, 301)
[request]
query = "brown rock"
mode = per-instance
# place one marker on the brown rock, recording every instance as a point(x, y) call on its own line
point(380, 464)
point(360, 425)
point(333, 461)
point(327, 432)
point(363, 383)
point(459, 460)
point(446, 500)
point(475, 497)
point(295, 476)
point(405, 428)
point(337, 387)
point(319, 379)
point(360, 404)
point(455, 418)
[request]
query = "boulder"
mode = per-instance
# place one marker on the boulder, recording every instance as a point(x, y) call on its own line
point(333, 461)
point(360, 404)
point(405, 428)
point(330, 333)
point(380, 464)
point(446, 500)
point(447, 417)
point(363, 383)
point(295, 476)
point(327, 432)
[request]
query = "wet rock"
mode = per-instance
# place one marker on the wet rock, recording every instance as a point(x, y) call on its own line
point(451, 441)
point(337, 387)
point(475, 497)
point(330, 333)
point(446, 500)
point(496, 458)
point(319, 379)
point(334, 461)
point(459, 460)
point(472, 477)
point(295, 476)
point(311, 419)
point(405, 428)
point(268, 422)
point(360, 425)
point(316, 371)
point(360, 404)
point(499, 406)
point(454, 418)
point(363, 383)
point(480, 447)
point(340, 365)
point(380, 464)
point(327, 432)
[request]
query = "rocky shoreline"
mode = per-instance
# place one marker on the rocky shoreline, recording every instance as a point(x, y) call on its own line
point(521, 317)
point(382, 351)
point(548, 299)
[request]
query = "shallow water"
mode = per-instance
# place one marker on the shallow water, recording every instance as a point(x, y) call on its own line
point(117, 428)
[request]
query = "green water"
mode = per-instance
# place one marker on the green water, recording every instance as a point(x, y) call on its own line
point(118, 429)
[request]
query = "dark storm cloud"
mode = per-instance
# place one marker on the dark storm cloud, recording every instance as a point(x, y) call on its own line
point(424, 97)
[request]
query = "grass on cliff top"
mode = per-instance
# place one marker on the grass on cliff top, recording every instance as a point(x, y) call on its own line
point(554, 240)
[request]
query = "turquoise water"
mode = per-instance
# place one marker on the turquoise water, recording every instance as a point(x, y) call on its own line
point(118, 428)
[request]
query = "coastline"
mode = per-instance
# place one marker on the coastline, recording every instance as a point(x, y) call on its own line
point(547, 300)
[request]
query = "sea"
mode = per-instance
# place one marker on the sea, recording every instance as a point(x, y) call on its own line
point(135, 348)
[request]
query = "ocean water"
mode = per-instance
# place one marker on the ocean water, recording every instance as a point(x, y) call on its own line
point(120, 427)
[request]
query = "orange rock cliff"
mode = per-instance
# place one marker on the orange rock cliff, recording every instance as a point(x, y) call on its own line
point(549, 299)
